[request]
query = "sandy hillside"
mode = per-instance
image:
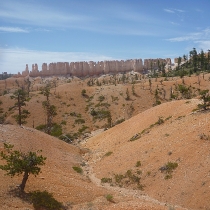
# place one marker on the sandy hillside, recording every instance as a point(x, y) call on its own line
point(178, 140)
point(57, 175)
point(75, 191)
point(71, 105)
point(131, 169)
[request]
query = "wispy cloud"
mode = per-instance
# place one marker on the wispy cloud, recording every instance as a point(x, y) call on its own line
point(200, 40)
point(107, 20)
point(13, 29)
point(205, 45)
point(168, 10)
point(13, 60)
point(174, 10)
point(173, 23)
point(202, 35)
point(39, 15)
point(179, 10)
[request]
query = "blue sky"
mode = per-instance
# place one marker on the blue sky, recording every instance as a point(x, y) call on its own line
point(38, 31)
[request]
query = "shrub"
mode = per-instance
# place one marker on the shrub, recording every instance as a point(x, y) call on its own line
point(67, 138)
point(109, 198)
point(119, 121)
point(160, 121)
point(135, 137)
point(168, 176)
point(101, 98)
point(83, 92)
point(100, 114)
point(56, 129)
point(205, 97)
point(204, 136)
point(63, 122)
point(74, 114)
point(79, 121)
point(119, 177)
point(106, 180)
point(82, 129)
point(44, 200)
point(78, 169)
point(108, 153)
point(170, 166)
point(168, 169)
point(138, 163)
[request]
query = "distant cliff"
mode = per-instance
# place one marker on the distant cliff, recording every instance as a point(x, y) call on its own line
point(82, 69)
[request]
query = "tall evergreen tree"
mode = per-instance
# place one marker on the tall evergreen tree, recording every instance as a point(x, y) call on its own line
point(50, 109)
point(21, 97)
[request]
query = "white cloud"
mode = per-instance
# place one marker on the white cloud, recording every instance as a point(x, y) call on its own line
point(14, 60)
point(108, 20)
point(179, 10)
point(13, 29)
point(204, 45)
point(173, 23)
point(35, 14)
point(174, 10)
point(168, 10)
point(202, 35)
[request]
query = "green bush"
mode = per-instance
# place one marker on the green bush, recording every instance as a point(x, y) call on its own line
point(45, 200)
point(67, 138)
point(100, 114)
point(41, 127)
point(168, 169)
point(63, 122)
point(106, 180)
point(83, 92)
point(101, 98)
point(74, 114)
point(138, 163)
point(56, 129)
point(119, 121)
point(109, 198)
point(79, 121)
point(78, 169)
point(82, 129)
point(108, 153)
point(119, 178)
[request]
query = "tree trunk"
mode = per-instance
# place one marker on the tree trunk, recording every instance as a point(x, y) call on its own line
point(24, 180)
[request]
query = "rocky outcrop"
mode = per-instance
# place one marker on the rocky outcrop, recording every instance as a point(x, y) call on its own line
point(91, 68)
